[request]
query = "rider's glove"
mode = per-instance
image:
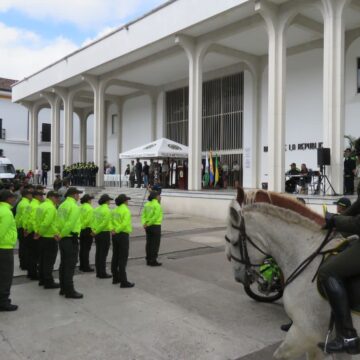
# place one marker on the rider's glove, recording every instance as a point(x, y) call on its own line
point(330, 221)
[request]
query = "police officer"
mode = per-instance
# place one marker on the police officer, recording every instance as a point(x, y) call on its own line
point(86, 238)
point(48, 233)
point(101, 228)
point(31, 241)
point(8, 235)
point(332, 277)
point(19, 218)
point(151, 220)
point(70, 226)
point(121, 216)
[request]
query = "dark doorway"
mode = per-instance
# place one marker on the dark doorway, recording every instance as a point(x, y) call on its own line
point(45, 159)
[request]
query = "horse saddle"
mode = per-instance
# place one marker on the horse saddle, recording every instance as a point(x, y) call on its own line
point(352, 284)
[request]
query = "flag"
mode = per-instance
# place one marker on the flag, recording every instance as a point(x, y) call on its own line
point(206, 175)
point(216, 170)
point(211, 169)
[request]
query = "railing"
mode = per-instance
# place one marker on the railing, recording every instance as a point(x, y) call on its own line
point(116, 180)
point(44, 137)
point(3, 134)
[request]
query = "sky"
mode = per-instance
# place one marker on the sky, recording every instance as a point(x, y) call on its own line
point(35, 33)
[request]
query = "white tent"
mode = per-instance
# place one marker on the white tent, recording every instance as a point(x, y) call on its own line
point(162, 148)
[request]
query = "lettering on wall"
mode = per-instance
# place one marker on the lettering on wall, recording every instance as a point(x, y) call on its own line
point(301, 146)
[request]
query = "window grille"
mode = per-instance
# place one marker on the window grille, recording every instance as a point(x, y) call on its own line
point(222, 118)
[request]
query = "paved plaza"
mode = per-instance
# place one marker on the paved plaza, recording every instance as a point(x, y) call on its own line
point(190, 308)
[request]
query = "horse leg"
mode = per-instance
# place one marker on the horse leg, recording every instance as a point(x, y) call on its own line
point(315, 354)
point(294, 345)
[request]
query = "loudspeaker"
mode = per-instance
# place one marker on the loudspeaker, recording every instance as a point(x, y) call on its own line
point(57, 169)
point(323, 157)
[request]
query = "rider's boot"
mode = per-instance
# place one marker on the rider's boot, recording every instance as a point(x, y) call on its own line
point(286, 327)
point(346, 339)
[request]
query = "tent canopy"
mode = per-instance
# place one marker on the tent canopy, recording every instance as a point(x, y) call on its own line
point(162, 148)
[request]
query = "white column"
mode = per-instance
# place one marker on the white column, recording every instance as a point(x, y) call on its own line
point(153, 98)
point(68, 133)
point(106, 122)
point(334, 72)
point(195, 53)
point(275, 25)
point(33, 135)
point(119, 132)
point(54, 102)
point(99, 131)
point(83, 137)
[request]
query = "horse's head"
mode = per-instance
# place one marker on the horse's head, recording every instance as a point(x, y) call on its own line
point(241, 250)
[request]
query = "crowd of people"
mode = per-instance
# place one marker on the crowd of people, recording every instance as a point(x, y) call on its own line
point(81, 174)
point(45, 224)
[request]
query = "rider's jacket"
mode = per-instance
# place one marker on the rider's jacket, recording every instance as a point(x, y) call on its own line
point(348, 224)
point(354, 209)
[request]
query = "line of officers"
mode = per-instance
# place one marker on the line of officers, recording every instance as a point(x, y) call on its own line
point(44, 226)
point(83, 174)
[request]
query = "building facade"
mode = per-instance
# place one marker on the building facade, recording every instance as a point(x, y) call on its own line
point(14, 130)
point(262, 82)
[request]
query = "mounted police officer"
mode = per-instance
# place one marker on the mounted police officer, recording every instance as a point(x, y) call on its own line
point(332, 277)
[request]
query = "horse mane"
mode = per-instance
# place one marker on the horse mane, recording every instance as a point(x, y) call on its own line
point(284, 214)
point(284, 202)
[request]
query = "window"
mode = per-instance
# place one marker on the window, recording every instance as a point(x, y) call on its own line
point(358, 75)
point(113, 123)
point(46, 132)
point(7, 169)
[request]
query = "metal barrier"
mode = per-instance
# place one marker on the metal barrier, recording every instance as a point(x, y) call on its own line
point(116, 180)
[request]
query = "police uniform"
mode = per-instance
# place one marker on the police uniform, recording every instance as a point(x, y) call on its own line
point(86, 238)
point(47, 229)
point(8, 236)
point(102, 227)
point(121, 218)
point(70, 226)
point(151, 219)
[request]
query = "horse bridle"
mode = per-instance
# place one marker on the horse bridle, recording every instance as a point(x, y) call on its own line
point(242, 241)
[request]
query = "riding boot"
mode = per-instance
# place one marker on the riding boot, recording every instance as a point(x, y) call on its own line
point(346, 339)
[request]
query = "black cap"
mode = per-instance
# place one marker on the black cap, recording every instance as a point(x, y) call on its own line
point(40, 187)
point(153, 195)
point(72, 191)
point(104, 198)
point(52, 193)
point(26, 192)
point(121, 199)
point(345, 202)
point(86, 198)
point(6, 194)
point(38, 193)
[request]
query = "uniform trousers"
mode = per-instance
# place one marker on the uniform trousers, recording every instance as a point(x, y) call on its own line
point(153, 237)
point(23, 253)
point(69, 249)
point(120, 256)
point(33, 259)
point(102, 242)
point(6, 275)
point(86, 241)
point(47, 258)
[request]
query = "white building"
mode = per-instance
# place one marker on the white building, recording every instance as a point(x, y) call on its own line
point(14, 132)
point(277, 74)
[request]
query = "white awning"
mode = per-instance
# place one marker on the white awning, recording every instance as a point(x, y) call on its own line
point(162, 148)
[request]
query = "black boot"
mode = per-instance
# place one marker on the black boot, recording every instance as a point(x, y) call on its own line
point(346, 340)
point(286, 327)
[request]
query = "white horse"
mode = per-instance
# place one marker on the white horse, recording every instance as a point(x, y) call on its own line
point(288, 231)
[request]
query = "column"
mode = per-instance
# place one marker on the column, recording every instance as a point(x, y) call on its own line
point(106, 122)
point(334, 73)
point(83, 138)
point(55, 136)
point(99, 131)
point(33, 135)
point(119, 132)
point(195, 53)
point(68, 133)
point(153, 98)
point(275, 25)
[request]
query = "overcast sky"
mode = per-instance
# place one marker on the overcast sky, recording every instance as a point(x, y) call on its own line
point(35, 33)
